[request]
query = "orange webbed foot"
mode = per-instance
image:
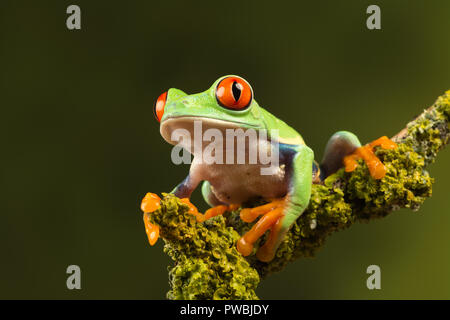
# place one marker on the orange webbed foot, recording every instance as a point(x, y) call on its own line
point(272, 214)
point(376, 168)
point(149, 204)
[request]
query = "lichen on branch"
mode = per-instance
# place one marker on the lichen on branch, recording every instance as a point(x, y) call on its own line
point(207, 264)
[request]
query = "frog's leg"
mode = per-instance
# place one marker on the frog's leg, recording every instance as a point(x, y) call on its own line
point(279, 215)
point(209, 196)
point(344, 148)
point(340, 145)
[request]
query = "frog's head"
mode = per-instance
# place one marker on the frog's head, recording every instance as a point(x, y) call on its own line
point(227, 104)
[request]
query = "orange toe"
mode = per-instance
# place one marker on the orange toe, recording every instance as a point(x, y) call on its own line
point(151, 229)
point(267, 252)
point(244, 247)
point(250, 214)
point(384, 142)
point(210, 213)
point(245, 244)
point(151, 202)
point(192, 209)
point(213, 212)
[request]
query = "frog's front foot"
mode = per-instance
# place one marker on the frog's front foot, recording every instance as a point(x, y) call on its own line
point(210, 213)
point(376, 167)
point(272, 214)
point(149, 204)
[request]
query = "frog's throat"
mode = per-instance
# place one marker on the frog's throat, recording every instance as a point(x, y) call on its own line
point(169, 127)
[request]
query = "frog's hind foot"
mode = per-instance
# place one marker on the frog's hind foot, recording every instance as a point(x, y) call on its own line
point(376, 168)
point(272, 214)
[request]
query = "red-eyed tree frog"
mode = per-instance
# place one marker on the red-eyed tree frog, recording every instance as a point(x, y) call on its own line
point(229, 104)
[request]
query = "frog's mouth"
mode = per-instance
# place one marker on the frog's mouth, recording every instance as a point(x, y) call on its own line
point(192, 128)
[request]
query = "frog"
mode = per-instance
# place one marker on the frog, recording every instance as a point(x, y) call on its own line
point(229, 104)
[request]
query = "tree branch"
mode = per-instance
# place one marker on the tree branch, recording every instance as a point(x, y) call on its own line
point(207, 264)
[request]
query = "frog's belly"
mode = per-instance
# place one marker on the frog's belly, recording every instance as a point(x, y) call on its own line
point(235, 184)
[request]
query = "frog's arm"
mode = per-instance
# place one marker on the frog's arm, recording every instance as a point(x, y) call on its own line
point(300, 181)
point(296, 200)
point(186, 187)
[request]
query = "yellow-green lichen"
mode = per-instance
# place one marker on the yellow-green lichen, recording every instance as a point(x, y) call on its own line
point(207, 264)
point(430, 131)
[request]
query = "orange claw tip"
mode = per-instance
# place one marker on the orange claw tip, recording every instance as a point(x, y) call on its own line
point(377, 170)
point(151, 230)
point(389, 144)
point(153, 235)
point(244, 247)
point(150, 203)
point(384, 142)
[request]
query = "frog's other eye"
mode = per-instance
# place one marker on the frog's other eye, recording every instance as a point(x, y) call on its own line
point(234, 93)
point(159, 106)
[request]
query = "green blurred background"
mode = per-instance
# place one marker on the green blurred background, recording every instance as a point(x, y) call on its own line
point(81, 147)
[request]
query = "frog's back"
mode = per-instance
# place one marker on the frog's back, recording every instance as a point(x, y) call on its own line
point(286, 134)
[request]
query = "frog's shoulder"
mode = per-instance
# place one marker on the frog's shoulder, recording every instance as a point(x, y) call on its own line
point(286, 134)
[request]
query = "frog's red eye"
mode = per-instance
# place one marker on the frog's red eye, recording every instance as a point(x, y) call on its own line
point(159, 106)
point(234, 93)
